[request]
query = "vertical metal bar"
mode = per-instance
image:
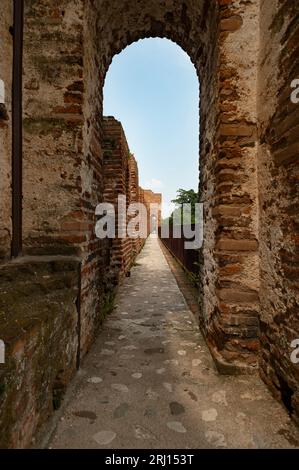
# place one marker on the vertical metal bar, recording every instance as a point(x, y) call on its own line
point(17, 128)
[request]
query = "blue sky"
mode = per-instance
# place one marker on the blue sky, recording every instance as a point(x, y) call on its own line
point(153, 89)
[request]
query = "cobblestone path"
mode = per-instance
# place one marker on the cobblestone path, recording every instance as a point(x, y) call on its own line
point(150, 382)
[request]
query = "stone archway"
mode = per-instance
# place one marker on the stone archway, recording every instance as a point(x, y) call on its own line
point(63, 109)
point(228, 166)
point(246, 56)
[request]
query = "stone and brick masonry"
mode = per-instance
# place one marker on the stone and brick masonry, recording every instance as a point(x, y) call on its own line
point(42, 301)
point(246, 56)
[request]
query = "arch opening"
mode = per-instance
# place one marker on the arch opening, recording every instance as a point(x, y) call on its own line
point(152, 91)
point(229, 268)
point(97, 30)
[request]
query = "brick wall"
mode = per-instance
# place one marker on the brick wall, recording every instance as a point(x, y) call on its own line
point(62, 151)
point(68, 47)
point(248, 162)
point(215, 35)
point(120, 170)
point(53, 117)
point(117, 183)
point(229, 258)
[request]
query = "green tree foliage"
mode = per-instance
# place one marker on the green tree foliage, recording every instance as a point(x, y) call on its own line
point(184, 197)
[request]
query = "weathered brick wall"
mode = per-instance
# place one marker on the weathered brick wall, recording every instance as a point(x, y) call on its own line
point(6, 50)
point(68, 47)
point(229, 273)
point(215, 34)
point(62, 154)
point(53, 118)
point(134, 192)
point(39, 297)
point(39, 326)
point(278, 196)
point(120, 173)
point(116, 183)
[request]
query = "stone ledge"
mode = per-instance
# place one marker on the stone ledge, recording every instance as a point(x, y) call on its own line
point(230, 368)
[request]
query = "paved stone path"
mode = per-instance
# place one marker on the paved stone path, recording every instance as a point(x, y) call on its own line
point(150, 382)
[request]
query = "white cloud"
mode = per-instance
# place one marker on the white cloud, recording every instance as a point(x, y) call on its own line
point(153, 184)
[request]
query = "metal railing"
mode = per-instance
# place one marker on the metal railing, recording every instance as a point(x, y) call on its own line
point(188, 258)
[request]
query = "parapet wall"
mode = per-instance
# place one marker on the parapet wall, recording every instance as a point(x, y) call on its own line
point(121, 178)
point(39, 317)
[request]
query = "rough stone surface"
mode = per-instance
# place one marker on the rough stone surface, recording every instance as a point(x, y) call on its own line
point(68, 47)
point(120, 171)
point(279, 199)
point(246, 55)
point(228, 80)
point(187, 407)
point(39, 326)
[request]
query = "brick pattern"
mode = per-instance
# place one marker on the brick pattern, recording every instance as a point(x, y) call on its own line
point(69, 133)
point(62, 153)
point(278, 195)
point(248, 164)
point(63, 143)
point(53, 119)
point(120, 172)
point(117, 183)
point(135, 194)
point(229, 258)
point(41, 342)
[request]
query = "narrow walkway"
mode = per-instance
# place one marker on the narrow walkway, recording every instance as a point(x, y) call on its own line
point(150, 382)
